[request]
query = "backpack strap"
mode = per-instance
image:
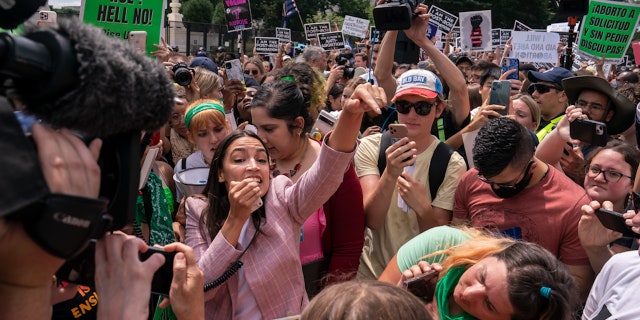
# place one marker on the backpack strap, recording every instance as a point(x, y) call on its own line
point(437, 167)
point(385, 142)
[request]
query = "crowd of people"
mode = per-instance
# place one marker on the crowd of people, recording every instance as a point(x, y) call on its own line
point(271, 219)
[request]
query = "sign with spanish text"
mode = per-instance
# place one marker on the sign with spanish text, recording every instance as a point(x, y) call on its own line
point(265, 45)
point(238, 14)
point(446, 21)
point(519, 26)
point(331, 40)
point(608, 29)
point(531, 46)
point(118, 18)
point(283, 34)
point(475, 30)
point(311, 30)
point(354, 26)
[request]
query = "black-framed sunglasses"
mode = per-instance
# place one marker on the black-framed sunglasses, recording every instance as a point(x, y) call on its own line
point(253, 72)
point(504, 185)
point(422, 107)
point(541, 88)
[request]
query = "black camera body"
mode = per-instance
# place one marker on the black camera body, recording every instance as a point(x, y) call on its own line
point(394, 15)
point(182, 74)
point(348, 72)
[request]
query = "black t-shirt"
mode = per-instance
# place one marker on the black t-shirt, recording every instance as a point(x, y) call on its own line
point(83, 306)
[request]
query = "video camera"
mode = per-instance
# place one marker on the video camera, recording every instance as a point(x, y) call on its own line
point(348, 72)
point(395, 14)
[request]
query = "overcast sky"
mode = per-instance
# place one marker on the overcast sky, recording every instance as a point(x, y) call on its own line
point(60, 3)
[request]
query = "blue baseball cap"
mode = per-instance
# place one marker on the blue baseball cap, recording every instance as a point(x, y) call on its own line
point(205, 63)
point(554, 75)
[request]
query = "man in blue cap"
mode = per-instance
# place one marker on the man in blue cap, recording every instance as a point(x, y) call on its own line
point(546, 88)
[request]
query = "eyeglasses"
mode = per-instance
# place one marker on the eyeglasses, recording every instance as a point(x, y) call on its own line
point(541, 88)
point(609, 175)
point(251, 71)
point(504, 185)
point(422, 107)
point(593, 106)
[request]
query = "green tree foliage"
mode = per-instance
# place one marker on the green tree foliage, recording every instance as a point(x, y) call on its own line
point(197, 11)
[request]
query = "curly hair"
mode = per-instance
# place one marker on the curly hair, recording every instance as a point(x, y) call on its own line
point(501, 142)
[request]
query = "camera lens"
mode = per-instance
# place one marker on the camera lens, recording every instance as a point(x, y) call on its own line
point(182, 74)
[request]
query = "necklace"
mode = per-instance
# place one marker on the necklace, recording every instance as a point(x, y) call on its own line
point(276, 172)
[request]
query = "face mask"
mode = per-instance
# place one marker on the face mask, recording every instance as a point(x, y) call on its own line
point(515, 189)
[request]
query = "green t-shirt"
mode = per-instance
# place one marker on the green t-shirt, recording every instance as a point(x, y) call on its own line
point(432, 240)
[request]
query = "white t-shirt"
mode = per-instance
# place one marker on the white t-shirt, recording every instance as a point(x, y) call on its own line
point(614, 293)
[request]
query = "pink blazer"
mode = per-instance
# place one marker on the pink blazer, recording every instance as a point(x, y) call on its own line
point(272, 263)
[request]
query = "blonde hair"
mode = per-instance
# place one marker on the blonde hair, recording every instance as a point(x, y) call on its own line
point(206, 80)
point(202, 118)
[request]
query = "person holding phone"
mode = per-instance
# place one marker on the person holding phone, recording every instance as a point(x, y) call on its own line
point(419, 100)
point(486, 276)
point(610, 174)
point(592, 98)
point(509, 187)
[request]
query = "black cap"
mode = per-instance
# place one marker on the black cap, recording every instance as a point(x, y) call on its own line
point(462, 59)
point(221, 49)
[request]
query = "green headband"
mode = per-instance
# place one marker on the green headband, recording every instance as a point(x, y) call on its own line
point(201, 107)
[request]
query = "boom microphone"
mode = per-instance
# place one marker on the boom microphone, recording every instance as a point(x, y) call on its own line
point(79, 78)
point(76, 77)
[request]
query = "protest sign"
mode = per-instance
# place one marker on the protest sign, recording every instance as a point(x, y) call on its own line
point(238, 14)
point(331, 40)
point(505, 34)
point(283, 34)
point(444, 20)
point(311, 30)
point(636, 51)
point(475, 29)
point(519, 26)
point(432, 30)
point(608, 29)
point(356, 27)
point(374, 35)
point(531, 46)
point(265, 45)
point(455, 32)
point(117, 19)
point(495, 37)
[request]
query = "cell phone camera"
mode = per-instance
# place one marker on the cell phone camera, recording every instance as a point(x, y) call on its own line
point(228, 65)
point(44, 16)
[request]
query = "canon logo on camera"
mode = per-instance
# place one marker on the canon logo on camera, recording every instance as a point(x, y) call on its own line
point(70, 220)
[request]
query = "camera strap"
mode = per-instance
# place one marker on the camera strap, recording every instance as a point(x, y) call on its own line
point(65, 223)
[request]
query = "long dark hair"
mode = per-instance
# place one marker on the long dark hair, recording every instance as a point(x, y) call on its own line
point(217, 211)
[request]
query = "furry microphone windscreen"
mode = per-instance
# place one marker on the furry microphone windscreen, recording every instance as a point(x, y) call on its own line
point(117, 91)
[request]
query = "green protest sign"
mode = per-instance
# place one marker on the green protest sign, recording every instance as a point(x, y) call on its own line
point(607, 29)
point(119, 17)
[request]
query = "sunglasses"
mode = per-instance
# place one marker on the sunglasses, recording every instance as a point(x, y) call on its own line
point(422, 107)
point(253, 72)
point(541, 88)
